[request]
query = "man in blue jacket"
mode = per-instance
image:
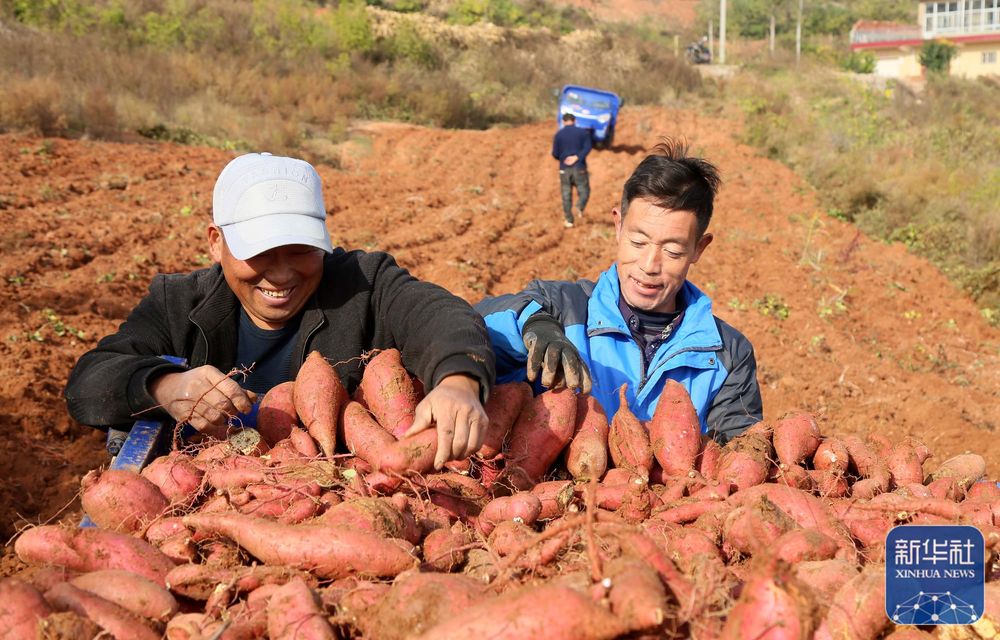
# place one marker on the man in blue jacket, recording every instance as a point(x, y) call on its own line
point(642, 322)
point(570, 147)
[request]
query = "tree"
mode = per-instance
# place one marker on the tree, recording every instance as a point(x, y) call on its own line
point(936, 55)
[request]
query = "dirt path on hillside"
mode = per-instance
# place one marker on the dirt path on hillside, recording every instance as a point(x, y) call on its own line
point(875, 339)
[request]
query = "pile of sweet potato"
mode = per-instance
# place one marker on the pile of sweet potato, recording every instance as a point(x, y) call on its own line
point(564, 525)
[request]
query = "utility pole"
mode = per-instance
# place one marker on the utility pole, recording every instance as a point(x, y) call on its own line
point(711, 38)
point(722, 31)
point(798, 35)
point(772, 35)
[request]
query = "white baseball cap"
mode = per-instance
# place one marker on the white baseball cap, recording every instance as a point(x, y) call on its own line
point(263, 201)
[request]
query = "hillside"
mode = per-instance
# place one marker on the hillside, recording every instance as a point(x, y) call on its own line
point(875, 339)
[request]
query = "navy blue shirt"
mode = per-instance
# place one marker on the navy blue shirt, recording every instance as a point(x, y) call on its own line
point(270, 352)
point(572, 140)
point(650, 330)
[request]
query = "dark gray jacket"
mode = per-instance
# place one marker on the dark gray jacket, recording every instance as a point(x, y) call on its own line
point(365, 301)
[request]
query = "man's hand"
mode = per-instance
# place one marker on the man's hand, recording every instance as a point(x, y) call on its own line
point(551, 351)
point(454, 407)
point(570, 160)
point(203, 397)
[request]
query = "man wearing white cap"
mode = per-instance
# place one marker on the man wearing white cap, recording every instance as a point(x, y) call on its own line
point(278, 290)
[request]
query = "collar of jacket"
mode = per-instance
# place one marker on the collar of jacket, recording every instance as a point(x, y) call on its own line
point(216, 317)
point(697, 330)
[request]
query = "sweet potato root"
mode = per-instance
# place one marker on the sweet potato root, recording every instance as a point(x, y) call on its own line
point(771, 599)
point(178, 479)
point(319, 398)
point(628, 439)
point(542, 430)
point(967, 469)
point(139, 595)
point(294, 613)
point(504, 406)
point(21, 607)
point(675, 430)
point(328, 552)
point(796, 438)
point(117, 621)
point(91, 549)
point(522, 507)
point(389, 392)
point(587, 455)
point(417, 602)
point(121, 500)
point(858, 609)
point(276, 415)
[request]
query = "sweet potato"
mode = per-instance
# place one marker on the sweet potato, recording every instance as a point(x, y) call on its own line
point(548, 611)
point(745, 460)
point(858, 609)
point(628, 439)
point(799, 545)
point(43, 578)
point(91, 549)
point(637, 595)
point(772, 604)
point(707, 463)
point(329, 552)
point(442, 548)
point(294, 613)
point(555, 497)
point(675, 430)
point(413, 453)
point(389, 392)
point(752, 528)
point(418, 601)
point(319, 398)
point(904, 465)
point(21, 607)
point(117, 621)
point(520, 507)
point(983, 491)
point(540, 433)
point(832, 456)
point(825, 578)
point(374, 515)
point(201, 581)
point(967, 469)
point(504, 406)
point(869, 466)
point(276, 414)
point(796, 438)
point(176, 476)
point(363, 435)
point(139, 595)
point(827, 484)
point(587, 455)
point(121, 500)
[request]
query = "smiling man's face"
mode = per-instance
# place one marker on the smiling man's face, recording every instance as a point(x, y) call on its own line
point(656, 247)
point(274, 285)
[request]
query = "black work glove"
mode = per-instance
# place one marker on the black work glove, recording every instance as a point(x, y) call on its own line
point(551, 351)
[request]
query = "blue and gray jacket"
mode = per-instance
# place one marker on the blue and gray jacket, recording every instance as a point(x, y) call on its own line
point(714, 361)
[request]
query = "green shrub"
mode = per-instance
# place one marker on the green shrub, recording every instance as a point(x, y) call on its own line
point(936, 55)
point(859, 62)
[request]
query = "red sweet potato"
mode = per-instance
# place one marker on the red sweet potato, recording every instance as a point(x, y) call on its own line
point(870, 466)
point(832, 456)
point(521, 507)
point(294, 613)
point(745, 460)
point(363, 435)
point(139, 595)
point(378, 516)
point(707, 463)
point(21, 607)
point(442, 548)
point(121, 500)
point(504, 406)
point(798, 545)
point(555, 497)
point(201, 581)
point(418, 601)
point(319, 399)
point(117, 621)
point(413, 453)
point(825, 577)
point(967, 469)
point(858, 609)
point(675, 430)
point(638, 597)
point(796, 438)
point(540, 433)
point(389, 392)
point(276, 415)
point(628, 439)
point(175, 474)
point(91, 549)
point(329, 552)
point(587, 455)
point(772, 604)
point(904, 465)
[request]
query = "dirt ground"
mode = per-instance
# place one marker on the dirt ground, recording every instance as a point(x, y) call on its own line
point(875, 339)
point(678, 13)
